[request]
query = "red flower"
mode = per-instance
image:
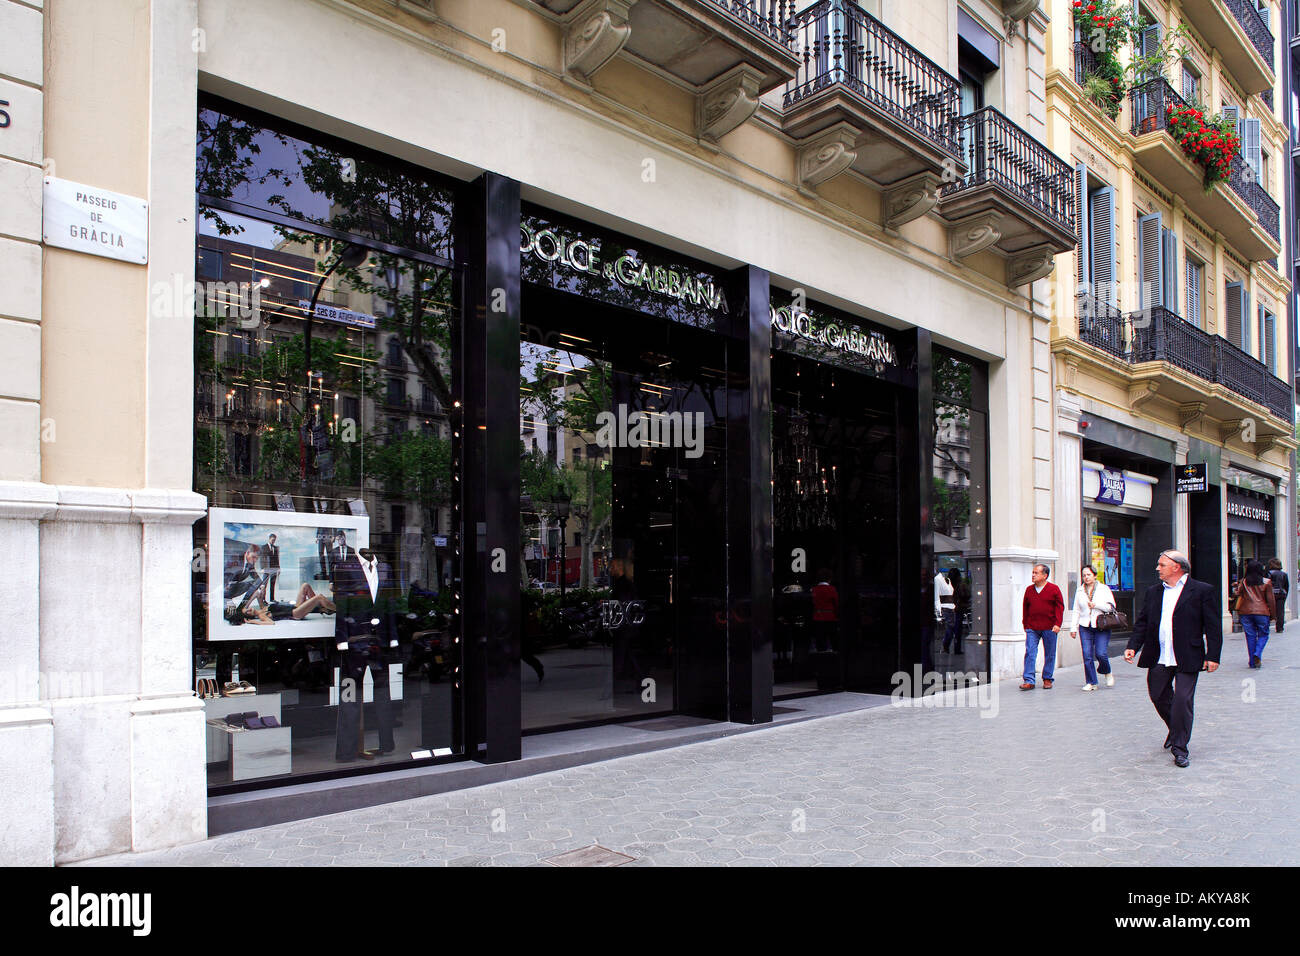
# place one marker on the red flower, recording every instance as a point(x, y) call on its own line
point(1092, 7)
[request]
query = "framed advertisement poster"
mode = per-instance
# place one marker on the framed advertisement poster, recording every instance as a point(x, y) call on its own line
point(270, 573)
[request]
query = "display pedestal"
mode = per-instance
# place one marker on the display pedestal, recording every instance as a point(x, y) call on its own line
point(256, 753)
point(266, 705)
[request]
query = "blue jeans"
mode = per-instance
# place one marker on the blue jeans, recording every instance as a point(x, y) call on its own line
point(1048, 637)
point(1096, 652)
point(1256, 628)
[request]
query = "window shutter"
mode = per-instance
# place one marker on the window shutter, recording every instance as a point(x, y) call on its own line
point(1105, 251)
point(1151, 284)
point(1243, 323)
point(1150, 43)
point(1232, 296)
point(1270, 342)
point(1231, 112)
point(1193, 280)
point(1250, 148)
point(1189, 85)
point(1169, 269)
point(1083, 254)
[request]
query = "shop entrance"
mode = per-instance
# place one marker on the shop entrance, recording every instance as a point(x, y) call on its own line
point(622, 515)
point(835, 501)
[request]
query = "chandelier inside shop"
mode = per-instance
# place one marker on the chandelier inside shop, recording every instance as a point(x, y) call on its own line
point(804, 488)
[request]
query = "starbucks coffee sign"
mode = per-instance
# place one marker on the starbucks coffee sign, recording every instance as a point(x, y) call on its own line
point(621, 266)
point(837, 335)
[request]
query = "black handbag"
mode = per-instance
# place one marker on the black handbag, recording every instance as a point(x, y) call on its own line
point(1112, 621)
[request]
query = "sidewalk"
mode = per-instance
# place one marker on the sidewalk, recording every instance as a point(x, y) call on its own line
point(1053, 777)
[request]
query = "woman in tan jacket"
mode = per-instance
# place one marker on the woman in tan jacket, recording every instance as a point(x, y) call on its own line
point(1255, 608)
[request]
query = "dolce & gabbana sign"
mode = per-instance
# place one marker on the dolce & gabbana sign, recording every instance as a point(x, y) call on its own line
point(837, 335)
point(621, 266)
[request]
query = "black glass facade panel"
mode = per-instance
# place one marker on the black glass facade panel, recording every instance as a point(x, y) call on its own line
point(622, 518)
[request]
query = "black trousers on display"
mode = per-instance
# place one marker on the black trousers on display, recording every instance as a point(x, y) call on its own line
point(1173, 692)
point(351, 696)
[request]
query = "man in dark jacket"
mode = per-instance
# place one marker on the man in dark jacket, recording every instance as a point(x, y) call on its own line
point(1281, 588)
point(1179, 633)
point(1042, 614)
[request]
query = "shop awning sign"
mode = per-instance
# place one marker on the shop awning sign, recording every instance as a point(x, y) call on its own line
point(1111, 490)
point(1191, 478)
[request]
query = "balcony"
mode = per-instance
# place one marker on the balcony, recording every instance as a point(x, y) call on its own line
point(1239, 208)
point(1017, 195)
point(1177, 360)
point(1241, 36)
point(729, 52)
point(866, 99)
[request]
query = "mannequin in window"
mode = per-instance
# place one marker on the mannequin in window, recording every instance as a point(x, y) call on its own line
point(365, 632)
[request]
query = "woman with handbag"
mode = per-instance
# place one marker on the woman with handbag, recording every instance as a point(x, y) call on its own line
point(1255, 607)
point(1094, 606)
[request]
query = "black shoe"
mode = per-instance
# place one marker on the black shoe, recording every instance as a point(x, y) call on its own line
point(1180, 760)
point(1169, 741)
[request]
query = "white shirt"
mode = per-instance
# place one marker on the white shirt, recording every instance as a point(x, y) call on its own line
point(941, 589)
point(1167, 603)
point(1102, 600)
point(371, 570)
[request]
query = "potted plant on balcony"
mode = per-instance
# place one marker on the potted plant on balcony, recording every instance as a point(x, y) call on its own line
point(1105, 27)
point(1210, 142)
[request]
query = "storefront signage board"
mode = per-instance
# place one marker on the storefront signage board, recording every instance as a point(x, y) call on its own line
point(95, 221)
point(1249, 509)
point(1111, 491)
point(1191, 478)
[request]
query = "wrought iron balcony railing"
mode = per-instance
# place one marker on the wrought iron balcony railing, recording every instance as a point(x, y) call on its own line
point(998, 151)
point(1159, 335)
point(1256, 27)
point(839, 42)
point(1085, 61)
point(1151, 102)
point(769, 17)
point(1244, 183)
point(1102, 324)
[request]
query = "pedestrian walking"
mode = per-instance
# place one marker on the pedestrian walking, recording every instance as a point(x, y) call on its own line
point(1254, 606)
point(1281, 588)
point(1091, 601)
point(1179, 633)
point(1042, 612)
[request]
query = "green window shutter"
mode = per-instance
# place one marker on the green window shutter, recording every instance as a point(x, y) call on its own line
point(1151, 280)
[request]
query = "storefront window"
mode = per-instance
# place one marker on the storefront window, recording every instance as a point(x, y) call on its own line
point(959, 515)
point(326, 573)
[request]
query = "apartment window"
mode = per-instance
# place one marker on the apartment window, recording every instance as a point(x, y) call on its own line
point(1191, 83)
point(1157, 264)
point(1097, 256)
point(1195, 274)
point(1265, 170)
point(1267, 342)
point(577, 455)
point(396, 391)
point(1236, 307)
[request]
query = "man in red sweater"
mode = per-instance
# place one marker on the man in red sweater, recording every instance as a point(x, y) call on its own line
point(1042, 614)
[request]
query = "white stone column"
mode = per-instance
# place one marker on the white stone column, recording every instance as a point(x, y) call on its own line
point(26, 724)
point(168, 744)
point(1068, 512)
point(128, 755)
point(1182, 504)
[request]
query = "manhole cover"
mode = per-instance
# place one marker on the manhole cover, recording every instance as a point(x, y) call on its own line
point(594, 855)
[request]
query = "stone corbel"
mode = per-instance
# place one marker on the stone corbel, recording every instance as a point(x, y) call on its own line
point(1141, 393)
point(1191, 413)
point(827, 155)
point(974, 234)
point(911, 198)
point(727, 102)
point(1231, 428)
point(1036, 262)
point(1265, 442)
point(596, 30)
